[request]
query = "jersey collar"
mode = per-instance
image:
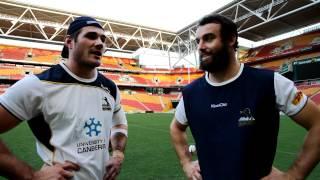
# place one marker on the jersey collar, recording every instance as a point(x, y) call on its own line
point(77, 77)
point(227, 81)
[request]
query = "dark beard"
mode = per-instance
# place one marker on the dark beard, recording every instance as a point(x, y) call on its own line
point(218, 62)
point(91, 65)
point(87, 64)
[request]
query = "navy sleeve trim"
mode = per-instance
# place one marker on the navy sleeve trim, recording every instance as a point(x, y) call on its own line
point(116, 110)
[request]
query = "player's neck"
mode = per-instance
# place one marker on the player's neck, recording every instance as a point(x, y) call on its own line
point(81, 71)
point(230, 72)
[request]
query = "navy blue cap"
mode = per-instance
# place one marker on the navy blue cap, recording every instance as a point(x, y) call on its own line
point(77, 24)
point(81, 22)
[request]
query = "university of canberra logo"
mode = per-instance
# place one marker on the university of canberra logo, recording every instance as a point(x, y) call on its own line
point(93, 126)
point(92, 129)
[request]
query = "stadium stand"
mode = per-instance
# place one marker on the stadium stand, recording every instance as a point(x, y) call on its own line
point(276, 63)
point(3, 87)
point(13, 52)
point(283, 53)
point(296, 45)
point(29, 54)
point(316, 98)
point(45, 56)
point(135, 101)
point(16, 72)
point(110, 62)
point(16, 62)
point(309, 90)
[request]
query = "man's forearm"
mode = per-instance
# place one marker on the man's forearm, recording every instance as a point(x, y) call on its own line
point(119, 134)
point(309, 155)
point(179, 140)
point(118, 142)
point(11, 167)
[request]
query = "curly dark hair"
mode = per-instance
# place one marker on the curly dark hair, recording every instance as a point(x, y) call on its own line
point(228, 27)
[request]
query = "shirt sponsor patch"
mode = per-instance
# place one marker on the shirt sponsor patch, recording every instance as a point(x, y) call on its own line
point(246, 118)
point(297, 98)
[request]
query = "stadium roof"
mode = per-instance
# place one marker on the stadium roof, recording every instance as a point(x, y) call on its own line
point(261, 19)
point(256, 19)
point(166, 15)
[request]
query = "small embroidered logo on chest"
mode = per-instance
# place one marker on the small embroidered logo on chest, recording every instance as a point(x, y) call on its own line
point(246, 118)
point(219, 105)
point(106, 105)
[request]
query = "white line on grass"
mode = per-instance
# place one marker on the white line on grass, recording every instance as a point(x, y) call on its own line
point(286, 152)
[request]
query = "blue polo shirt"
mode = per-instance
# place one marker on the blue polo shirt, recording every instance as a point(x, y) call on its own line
point(235, 123)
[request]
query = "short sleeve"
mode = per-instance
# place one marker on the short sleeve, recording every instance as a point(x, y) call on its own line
point(24, 98)
point(119, 116)
point(180, 114)
point(117, 105)
point(289, 99)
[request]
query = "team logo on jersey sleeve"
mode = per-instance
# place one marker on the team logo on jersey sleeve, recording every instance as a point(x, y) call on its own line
point(297, 98)
point(246, 118)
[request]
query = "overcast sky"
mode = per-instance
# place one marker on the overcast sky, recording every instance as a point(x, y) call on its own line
point(171, 15)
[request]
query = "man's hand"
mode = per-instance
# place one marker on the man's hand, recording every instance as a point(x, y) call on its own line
point(192, 170)
point(276, 174)
point(114, 165)
point(56, 172)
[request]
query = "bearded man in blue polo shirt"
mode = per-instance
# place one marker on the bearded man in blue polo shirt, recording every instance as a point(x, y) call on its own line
point(233, 114)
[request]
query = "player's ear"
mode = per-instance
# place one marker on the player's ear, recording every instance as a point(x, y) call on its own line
point(232, 40)
point(68, 41)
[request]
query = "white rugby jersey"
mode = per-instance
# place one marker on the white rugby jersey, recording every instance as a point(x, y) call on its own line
point(71, 117)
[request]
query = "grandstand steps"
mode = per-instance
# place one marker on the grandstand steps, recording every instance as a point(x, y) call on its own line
point(154, 106)
point(309, 90)
point(141, 102)
point(135, 105)
point(161, 102)
point(316, 98)
point(16, 62)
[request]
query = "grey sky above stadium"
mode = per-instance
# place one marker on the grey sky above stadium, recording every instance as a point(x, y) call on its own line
point(175, 17)
point(169, 15)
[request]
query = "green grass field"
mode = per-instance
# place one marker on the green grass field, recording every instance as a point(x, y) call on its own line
point(149, 154)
